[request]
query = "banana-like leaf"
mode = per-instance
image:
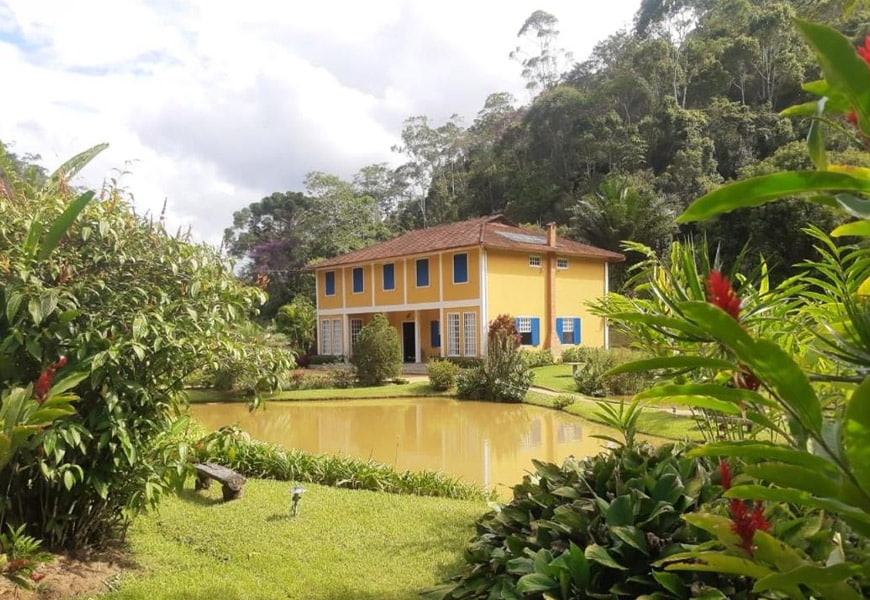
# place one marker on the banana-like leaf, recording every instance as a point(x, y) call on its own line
point(726, 394)
point(856, 228)
point(856, 434)
point(756, 191)
point(671, 362)
point(62, 224)
point(764, 451)
point(844, 70)
point(71, 168)
point(770, 363)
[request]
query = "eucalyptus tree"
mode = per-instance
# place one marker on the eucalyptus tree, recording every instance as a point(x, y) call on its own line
point(543, 61)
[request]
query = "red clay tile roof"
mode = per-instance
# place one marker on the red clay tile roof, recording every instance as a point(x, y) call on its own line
point(493, 231)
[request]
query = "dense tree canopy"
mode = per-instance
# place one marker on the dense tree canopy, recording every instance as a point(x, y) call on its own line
point(685, 100)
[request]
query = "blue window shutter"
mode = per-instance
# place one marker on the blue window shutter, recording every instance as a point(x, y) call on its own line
point(559, 328)
point(357, 280)
point(435, 334)
point(422, 272)
point(460, 268)
point(536, 331)
point(330, 283)
point(389, 277)
point(576, 331)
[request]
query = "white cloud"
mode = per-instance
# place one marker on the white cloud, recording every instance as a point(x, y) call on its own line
point(213, 104)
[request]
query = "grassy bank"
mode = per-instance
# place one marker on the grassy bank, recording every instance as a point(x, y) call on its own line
point(555, 377)
point(657, 422)
point(342, 544)
point(402, 390)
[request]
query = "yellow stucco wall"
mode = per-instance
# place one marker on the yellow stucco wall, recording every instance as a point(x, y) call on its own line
point(583, 280)
point(513, 287)
point(324, 301)
point(363, 298)
point(461, 291)
point(387, 297)
point(423, 294)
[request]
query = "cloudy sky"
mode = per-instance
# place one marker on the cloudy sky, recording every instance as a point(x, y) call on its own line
point(211, 105)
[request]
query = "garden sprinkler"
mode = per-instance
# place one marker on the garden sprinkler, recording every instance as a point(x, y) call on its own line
point(295, 497)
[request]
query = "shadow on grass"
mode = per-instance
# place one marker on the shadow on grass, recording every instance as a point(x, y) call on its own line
point(200, 498)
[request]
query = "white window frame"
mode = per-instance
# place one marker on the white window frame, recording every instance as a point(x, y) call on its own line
point(452, 334)
point(561, 262)
point(469, 334)
point(524, 324)
point(567, 325)
point(325, 337)
point(336, 337)
point(355, 327)
point(535, 261)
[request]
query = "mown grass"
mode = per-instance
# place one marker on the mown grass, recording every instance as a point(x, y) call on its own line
point(342, 544)
point(657, 422)
point(555, 377)
point(402, 390)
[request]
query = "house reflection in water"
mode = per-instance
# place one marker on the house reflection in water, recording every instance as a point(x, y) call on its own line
point(491, 444)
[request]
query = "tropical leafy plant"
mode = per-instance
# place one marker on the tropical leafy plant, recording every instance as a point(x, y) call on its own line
point(594, 528)
point(134, 310)
point(820, 420)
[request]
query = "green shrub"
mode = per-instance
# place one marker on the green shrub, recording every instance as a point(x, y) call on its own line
point(503, 377)
point(442, 374)
point(135, 310)
point(594, 528)
point(537, 358)
point(572, 354)
point(234, 448)
point(563, 401)
point(263, 366)
point(589, 375)
point(377, 354)
point(341, 379)
point(324, 359)
point(465, 362)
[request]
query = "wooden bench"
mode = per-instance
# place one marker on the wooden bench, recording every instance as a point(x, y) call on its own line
point(232, 482)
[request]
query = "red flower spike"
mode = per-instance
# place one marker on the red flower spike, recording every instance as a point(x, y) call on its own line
point(746, 379)
point(864, 52)
point(719, 292)
point(43, 383)
point(725, 474)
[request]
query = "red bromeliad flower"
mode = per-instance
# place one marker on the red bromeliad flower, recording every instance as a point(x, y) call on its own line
point(43, 384)
point(744, 522)
point(863, 52)
point(36, 577)
point(719, 292)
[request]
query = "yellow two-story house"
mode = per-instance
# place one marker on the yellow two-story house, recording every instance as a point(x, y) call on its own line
point(440, 287)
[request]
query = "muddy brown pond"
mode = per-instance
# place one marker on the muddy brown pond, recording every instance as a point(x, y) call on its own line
point(485, 442)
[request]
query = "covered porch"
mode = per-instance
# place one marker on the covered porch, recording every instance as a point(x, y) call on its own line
point(423, 333)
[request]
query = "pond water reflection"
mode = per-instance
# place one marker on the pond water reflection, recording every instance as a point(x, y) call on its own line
point(488, 443)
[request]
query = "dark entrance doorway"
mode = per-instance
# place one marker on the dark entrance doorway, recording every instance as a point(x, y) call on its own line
point(409, 343)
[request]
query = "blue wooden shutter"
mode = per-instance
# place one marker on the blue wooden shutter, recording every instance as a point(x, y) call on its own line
point(330, 283)
point(577, 331)
point(435, 334)
point(559, 328)
point(422, 272)
point(357, 280)
point(460, 268)
point(389, 277)
point(536, 331)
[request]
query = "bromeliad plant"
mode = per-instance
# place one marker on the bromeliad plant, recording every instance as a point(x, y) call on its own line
point(595, 528)
point(818, 458)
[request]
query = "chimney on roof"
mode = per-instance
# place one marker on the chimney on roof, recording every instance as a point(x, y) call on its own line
point(551, 235)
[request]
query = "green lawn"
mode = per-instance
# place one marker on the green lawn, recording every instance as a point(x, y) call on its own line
point(342, 544)
point(403, 390)
point(653, 421)
point(555, 377)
